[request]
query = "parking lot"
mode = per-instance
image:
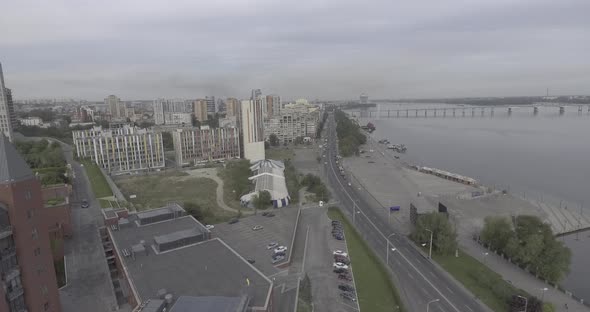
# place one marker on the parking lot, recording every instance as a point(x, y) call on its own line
point(252, 244)
point(319, 263)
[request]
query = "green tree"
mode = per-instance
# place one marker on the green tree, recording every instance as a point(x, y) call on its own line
point(167, 141)
point(262, 200)
point(194, 210)
point(444, 236)
point(273, 139)
point(496, 232)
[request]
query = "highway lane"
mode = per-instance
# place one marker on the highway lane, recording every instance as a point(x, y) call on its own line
point(417, 279)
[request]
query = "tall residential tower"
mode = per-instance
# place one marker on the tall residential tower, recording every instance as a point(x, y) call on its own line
point(7, 118)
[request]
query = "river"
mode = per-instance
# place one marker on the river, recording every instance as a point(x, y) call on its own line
point(542, 156)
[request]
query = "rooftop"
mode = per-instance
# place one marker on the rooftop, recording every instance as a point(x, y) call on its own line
point(187, 267)
point(217, 304)
point(13, 167)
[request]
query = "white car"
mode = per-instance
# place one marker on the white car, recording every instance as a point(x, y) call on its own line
point(209, 227)
point(340, 265)
point(280, 249)
point(272, 245)
point(258, 227)
point(340, 253)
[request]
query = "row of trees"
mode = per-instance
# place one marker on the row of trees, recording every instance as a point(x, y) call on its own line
point(530, 243)
point(350, 136)
point(321, 125)
point(315, 185)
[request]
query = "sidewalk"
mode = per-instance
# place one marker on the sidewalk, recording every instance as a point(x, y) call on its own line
point(521, 279)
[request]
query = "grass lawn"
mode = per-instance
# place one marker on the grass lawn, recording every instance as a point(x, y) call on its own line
point(484, 283)
point(280, 153)
point(375, 290)
point(60, 272)
point(156, 191)
point(305, 296)
point(97, 180)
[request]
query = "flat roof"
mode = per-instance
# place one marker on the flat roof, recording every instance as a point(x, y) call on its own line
point(208, 268)
point(211, 303)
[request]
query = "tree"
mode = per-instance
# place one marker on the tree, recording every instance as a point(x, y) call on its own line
point(298, 140)
point(262, 200)
point(496, 232)
point(273, 139)
point(194, 210)
point(167, 141)
point(444, 237)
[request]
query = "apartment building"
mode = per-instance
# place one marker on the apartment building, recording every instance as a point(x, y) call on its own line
point(121, 150)
point(295, 120)
point(200, 109)
point(252, 124)
point(163, 109)
point(7, 115)
point(28, 280)
point(194, 145)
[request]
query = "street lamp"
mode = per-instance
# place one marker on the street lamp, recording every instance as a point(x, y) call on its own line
point(485, 254)
point(430, 251)
point(387, 248)
point(429, 302)
point(543, 295)
point(354, 212)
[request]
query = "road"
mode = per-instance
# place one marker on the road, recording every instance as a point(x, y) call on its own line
point(417, 279)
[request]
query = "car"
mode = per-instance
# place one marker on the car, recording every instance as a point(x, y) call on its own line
point(396, 157)
point(348, 296)
point(345, 287)
point(257, 228)
point(339, 237)
point(339, 252)
point(280, 249)
point(265, 214)
point(84, 204)
point(341, 260)
point(371, 150)
point(272, 245)
point(340, 265)
point(276, 259)
point(335, 222)
point(371, 162)
point(340, 270)
point(270, 215)
point(233, 221)
point(209, 227)
point(325, 162)
point(251, 261)
point(344, 277)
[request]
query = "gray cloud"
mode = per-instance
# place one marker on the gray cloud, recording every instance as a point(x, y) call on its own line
point(316, 49)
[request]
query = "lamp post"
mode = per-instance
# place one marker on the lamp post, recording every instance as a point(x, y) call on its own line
point(485, 254)
point(429, 302)
point(526, 302)
point(387, 248)
point(430, 249)
point(354, 212)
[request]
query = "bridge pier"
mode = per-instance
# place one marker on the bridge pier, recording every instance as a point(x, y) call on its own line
point(561, 110)
point(482, 111)
point(509, 111)
point(445, 112)
point(425, 113)
point(463, 112)
point(397, 113)
point(580, 109)
point(535, 110)
point(407, 112)
point(435, 112)
point(453, 112)
point(492, 112)
point(416, 113)
point(472, 112)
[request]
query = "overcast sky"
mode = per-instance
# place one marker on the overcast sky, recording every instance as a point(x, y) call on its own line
point(333, 49)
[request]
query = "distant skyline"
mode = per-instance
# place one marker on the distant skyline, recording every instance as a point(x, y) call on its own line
point(313, 49)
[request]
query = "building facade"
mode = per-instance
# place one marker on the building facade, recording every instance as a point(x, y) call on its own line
point(252, 123)
point(31, 121)
point(121, 150)
point(295, 120)
point(210, 104)
point(200, 109)
point(203, 145)
point(26, 261)
point(273, 105)
point(115, 106)
point(232, 107)
point(163, 106)
point(183, 119)
point(7, 118)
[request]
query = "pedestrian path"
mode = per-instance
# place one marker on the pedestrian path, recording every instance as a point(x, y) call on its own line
point(521, 279)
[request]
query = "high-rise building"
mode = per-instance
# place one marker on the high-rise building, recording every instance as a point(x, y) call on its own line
point(232, 107)
point(221, 105)
point(253, 127)
point(364, 99)
point(295, 120)
point(115, 107)
point(210, 104)
point(7, 116)
point(203, 145)
point(273, 105)
point(200, 109)
point(121, 150)
point(28, 275)
point(163, 106)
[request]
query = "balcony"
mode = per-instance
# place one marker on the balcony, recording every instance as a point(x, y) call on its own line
point(7, 252)
point(5, 231)
point(14, 293)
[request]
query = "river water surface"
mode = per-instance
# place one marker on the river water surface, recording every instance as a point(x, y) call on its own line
point(546, 157)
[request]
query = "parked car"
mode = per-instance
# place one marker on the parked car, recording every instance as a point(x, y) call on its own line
point(209, 227)
point(276, 259)
point(339, 237)
point(342, 260)
point(340, 270)
point(251, 261)
point(265, 214)
point(272, 245)
point(234, 220)
point(340, 265)
point(345, 287)
point(270, 215)
point(344, 277)
point(257, 227)
point(348, 296)
point(338, 252)
point(280, 249)
point(84, 204)
point(335, 222)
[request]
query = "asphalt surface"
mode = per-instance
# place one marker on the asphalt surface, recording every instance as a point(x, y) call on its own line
point(417, 279)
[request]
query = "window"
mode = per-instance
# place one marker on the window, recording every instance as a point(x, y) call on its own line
point(34, 233)
point(46, 306)
point(28, 195)
point(37, 251)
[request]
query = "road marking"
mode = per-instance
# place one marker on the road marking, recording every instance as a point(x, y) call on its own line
point(411, 276)
point(470, 309)
point(431, 273)
point(447, 287)
point(378, 231)
point(280, 272)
